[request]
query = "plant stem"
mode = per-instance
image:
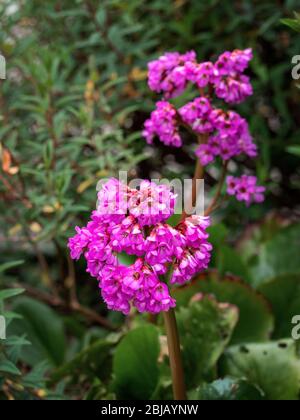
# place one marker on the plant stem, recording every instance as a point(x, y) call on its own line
point(199, 173)
point(175, 355)
point(215, 200)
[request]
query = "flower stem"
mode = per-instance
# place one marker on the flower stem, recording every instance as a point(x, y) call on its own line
point(175, 355)
point(214, 203)
point(199, 173)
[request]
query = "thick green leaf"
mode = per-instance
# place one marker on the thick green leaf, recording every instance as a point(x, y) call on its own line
point(229, 389)
point(255, 317)
point(228, 261)
point(43, 328)
point(274, 367)
point(278, 256)
point(284, 295)
point(205, 328)
point(255, 236)
point(135, 364)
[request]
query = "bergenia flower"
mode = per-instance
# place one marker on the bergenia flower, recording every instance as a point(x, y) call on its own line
point(163, 124)
point(223, 134)
point(245, 189)
point(137, 224)
point(167, 75)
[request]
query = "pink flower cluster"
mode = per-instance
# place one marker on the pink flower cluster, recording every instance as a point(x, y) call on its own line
point(228, 79)
point(227, 133)
point(168, 73)
point(171, 73)
point(224, 134)
point(163, 124)
point(245, 189)
point(131, 227)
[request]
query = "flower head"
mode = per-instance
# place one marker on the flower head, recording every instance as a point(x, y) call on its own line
point(167, 75)
point(223, 134)
point(245, 189)
point(140, 230)
point(163, 124)
point(152, 203)
point(197, 253)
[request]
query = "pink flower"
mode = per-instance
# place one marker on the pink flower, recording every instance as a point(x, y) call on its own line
point(197, 254)
point(194, 229)
point(113, 199)
point(79, 242)
point(245, 189)
point(152, 203)
point(167, 75)
point(232, 138)
point(234, 62)
point(200, 74)
point(224, 134)
point(138, 231)
point(234, 90)
point(206, 154)
point(232, 184)
point(192, 262)
point(163, 124)
point(128, 237)
point(228, 79)
point(196, 114)
point(163, 244)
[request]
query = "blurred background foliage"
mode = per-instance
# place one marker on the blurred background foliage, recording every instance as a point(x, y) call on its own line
point(72, 109)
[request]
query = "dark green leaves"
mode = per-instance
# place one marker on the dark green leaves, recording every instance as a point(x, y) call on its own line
point(135, 364)
point(6, 366)
point(284, 295)
point(278, 256)
point(205, 328)
point(93, 360)
point(229, 389)
point(293, 23)
point(294, 150)
point(9, 293)
point(274, 367)
point(43, 328)
point(255, 318)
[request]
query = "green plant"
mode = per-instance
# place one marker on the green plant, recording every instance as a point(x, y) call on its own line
point(72, 108)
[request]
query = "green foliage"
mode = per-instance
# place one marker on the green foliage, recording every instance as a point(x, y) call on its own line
point(284, 295)
point(72, 110)
point(15, 384)
point(274, 367)
point(278, 256)
point(255, 318)
point(94, 360)
point(206, 327)
point(294, 150)
point(229, 389)
point(293, 23)
point(136, 364)
point(44, 329)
